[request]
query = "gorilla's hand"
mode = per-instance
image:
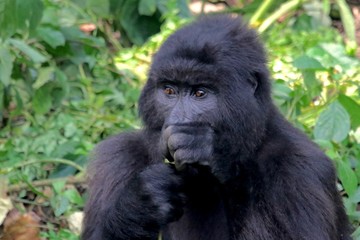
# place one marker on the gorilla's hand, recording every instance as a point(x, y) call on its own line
point(189, 144)
point(161, 193)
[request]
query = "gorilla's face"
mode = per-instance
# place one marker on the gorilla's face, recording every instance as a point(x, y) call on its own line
point(207, 98)
point(186, 102)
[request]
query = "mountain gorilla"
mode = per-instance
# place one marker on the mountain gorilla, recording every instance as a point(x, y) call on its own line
point(234, 169)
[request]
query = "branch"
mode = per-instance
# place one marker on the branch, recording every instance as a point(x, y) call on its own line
point(46, 182)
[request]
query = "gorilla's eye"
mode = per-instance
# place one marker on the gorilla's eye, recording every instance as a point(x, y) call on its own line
point(199, 93)
point(169, 90)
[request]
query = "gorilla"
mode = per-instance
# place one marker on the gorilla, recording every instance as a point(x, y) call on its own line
point(215, 159)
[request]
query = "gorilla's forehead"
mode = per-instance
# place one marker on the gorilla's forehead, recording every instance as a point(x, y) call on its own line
point(212, 48)
point(193, 66)
point(188, 71)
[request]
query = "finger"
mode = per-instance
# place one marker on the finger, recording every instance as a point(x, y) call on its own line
point(180, 140)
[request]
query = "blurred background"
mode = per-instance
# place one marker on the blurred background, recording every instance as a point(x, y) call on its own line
point(71, 72)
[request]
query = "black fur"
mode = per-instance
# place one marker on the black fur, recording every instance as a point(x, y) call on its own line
point(240, 171)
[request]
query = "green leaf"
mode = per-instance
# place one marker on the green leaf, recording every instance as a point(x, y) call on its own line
point(6, 65)
point(19, 102)
point(281, 90)
point(74, 196)
point(60, 87)
point(181, 6)
point(52, 37)
point(19, 15)
point(353, 108)
point(58, 186)
point(42, 100)
point(45, 74)
point(308, 63)
point(7, 18)
point(60, 204)
point(32, 53)
point(321, 56)
point(28, 14)
point(147, 7)
point(312, 84)
point(339, 55)
point(137, 27)
point(2, 93)
point(100, 8)
point(333, 123)
point(347, 177)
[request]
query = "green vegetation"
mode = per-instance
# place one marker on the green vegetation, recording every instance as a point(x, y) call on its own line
point(71, 73)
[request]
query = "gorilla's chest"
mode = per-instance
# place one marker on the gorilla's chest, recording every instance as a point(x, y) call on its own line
point(206, 222)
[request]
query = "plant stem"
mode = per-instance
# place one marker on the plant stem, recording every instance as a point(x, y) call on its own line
point(46, 182)
point(260, 12)
point(62, 161)
point(284, 8)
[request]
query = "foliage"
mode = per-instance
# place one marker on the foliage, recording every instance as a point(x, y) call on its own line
point(317, 88)
point(63, 88)
point(269, 11)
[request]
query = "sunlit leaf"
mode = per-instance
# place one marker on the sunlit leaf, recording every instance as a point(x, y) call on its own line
point(312, 84)
point(308, 63)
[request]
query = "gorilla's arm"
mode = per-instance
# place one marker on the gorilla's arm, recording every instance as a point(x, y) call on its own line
point(293, 193)
point(130, 196)
point(290, 209)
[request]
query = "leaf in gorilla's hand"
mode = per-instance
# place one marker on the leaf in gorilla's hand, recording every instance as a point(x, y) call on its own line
point(167, 161)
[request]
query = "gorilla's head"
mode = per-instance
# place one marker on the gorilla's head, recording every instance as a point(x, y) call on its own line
point(211, 72)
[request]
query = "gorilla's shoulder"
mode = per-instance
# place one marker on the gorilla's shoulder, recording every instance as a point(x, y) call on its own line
point(124, 145)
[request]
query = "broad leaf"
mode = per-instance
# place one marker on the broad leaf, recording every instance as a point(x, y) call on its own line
point(333, 123)
point(353, 108)
point(308, 63)
point(74, 197)
point(100, 8)
point(51, 36)
point(7, 18)
point(19, 15)
point(42, 100)
point(147, 7)
point(312, 84)
point(32, 53)
point(6, 65)
point(138, 28)
point(28, 14)
point(60, 204)
point(347, 177)
point(44, 75)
